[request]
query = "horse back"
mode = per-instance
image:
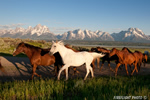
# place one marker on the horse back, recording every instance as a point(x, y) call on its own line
point(126, 57)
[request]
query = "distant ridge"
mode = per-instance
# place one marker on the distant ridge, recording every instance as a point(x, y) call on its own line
point(43, 33)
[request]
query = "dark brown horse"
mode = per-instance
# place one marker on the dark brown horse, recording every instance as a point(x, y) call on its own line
point(106, 57)
point(37, 56)
point(125, 58)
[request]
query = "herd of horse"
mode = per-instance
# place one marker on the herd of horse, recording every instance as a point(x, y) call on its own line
point(63, 57)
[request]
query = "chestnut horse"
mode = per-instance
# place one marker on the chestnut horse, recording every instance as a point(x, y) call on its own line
point(144, 59)
point(37, 56)
point(138, 56)
point(125, 58)
point(106, 57)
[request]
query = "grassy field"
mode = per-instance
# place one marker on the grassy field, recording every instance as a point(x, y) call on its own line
point(100, 88)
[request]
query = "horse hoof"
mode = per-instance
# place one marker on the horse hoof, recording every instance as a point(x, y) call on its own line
point(40, 76)
point(78, 72)
point(100, 69)
point(30, 79)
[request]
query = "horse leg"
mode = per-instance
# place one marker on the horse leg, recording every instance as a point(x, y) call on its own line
point(75, 70)
point(116, 69)
point(139, 64)
point(87, 71)
point(98, 60)
point(91, 71)
point(144, 63)
point(126, 67)
point(130, 68)
point(135, 68)
point(64, 67)
point(66, 73)
point(109, 66)
point(33, 72)
point(102, 64)
point(93, 64)
point(56, 69)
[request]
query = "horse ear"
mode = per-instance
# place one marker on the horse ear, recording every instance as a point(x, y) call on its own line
point(53, 42)
point(60, 41)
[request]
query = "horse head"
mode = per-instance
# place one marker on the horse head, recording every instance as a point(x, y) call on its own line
point(103, 50)
point(94, 49)
point(145, 57)
point(19, 49)
point(56, 47)
point(112, 52)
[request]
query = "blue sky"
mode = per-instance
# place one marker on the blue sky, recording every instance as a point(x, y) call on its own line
point(64, 15)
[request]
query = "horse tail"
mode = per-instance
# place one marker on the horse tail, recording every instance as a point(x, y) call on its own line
point(97, 55)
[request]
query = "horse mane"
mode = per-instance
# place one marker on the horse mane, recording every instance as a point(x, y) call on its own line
point(137, 51)
point(67, 46)
point(31, 46)
point(102, 48)
point(127, 49)
point(43, 51)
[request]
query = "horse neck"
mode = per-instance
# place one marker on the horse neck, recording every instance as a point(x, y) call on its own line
point(28, 52)
point(107, 51)
point(63, 51)
point(120, 54)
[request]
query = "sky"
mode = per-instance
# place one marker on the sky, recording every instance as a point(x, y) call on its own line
point(64, 15)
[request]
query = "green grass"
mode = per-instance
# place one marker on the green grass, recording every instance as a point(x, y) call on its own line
point(100, 88)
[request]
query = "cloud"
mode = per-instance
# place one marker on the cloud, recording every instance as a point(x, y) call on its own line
point(12, 25)
point(60, 30)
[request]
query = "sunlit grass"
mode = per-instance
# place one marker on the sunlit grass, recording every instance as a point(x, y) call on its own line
point(101, 88)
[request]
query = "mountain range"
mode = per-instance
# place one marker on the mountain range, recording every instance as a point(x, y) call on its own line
point(43, 33)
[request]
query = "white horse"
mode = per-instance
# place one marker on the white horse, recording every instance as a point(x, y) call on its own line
point(71, 58)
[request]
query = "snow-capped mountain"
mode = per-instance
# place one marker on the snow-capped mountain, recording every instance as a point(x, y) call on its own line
point(38, 32)
point(132, 34)
point(86, 35)
point(43, 33)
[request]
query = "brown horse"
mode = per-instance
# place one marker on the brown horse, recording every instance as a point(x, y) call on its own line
point(37, 56)
point(105, 58)
point(125, 58)
point(138, 56)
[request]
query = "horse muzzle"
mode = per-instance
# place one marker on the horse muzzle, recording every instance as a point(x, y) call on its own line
point(50, 53)
point(109, 56)
point(14, 54)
